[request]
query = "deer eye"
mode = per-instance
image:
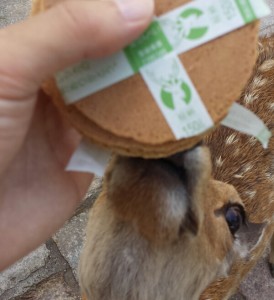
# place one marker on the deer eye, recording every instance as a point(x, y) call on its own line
point(235, 217)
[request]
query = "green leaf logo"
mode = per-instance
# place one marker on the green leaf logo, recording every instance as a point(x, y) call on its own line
point(196, 33)
point(167, 96)
point(187, 92)
point(193, 32)
point(167, 99)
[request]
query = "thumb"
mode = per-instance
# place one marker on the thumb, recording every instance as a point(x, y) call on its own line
point(68, 32)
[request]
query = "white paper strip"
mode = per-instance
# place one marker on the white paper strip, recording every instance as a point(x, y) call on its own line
point(176, 97)
point(244, 120)
point(91, 76)
point(89, 158)
point(186, 27)
point(199, 22)
point(92, 159)
point(261, 9)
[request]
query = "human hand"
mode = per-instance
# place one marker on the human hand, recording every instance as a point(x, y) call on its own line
point(36, 195)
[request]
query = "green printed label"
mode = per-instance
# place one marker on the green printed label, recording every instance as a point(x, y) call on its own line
point(155, 55)
point(176, 96)
point(192, 32)
point(172, 86)
point(167, 94)
point(152, 45)
point(246, 10)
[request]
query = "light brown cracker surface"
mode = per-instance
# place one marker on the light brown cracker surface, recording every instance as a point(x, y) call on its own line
point(125, 117)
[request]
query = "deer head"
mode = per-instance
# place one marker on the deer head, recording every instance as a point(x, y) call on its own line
point(161, 229)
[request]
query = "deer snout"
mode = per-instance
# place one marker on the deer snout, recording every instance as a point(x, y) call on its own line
point(161, 196)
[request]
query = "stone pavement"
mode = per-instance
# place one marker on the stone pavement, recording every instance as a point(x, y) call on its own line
point(12, 11)
point(50, 272)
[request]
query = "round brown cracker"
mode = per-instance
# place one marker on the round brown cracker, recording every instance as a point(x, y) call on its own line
point(125, 118)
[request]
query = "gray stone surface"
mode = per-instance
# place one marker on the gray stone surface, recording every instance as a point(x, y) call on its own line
point(259, 284)
point(23, 269)
point(238, 296)
point(13, 11)
point(70, 239)
point(51, 258)
point(55, 263)
point(55, 288)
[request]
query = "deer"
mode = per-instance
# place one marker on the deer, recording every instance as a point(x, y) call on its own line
point(192, 225)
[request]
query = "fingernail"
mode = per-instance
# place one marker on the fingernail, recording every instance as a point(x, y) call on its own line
point(135, 10)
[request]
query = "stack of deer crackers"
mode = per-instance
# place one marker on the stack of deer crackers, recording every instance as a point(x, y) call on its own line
point(124, 116)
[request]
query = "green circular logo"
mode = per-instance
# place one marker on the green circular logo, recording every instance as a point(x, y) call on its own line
point(182, 91)
point(187, 23)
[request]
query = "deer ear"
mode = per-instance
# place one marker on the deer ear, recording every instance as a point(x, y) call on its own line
point(197, 167)
point(196, 162)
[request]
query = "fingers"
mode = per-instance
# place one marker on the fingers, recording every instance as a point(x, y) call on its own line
point(37, 48)
point(67, 33)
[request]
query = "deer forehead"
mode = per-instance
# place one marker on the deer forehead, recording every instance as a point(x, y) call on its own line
point(222, 193)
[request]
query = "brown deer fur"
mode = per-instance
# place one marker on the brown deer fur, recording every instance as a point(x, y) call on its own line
point(241, 161)
point(157, 231)
point(147, 231)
